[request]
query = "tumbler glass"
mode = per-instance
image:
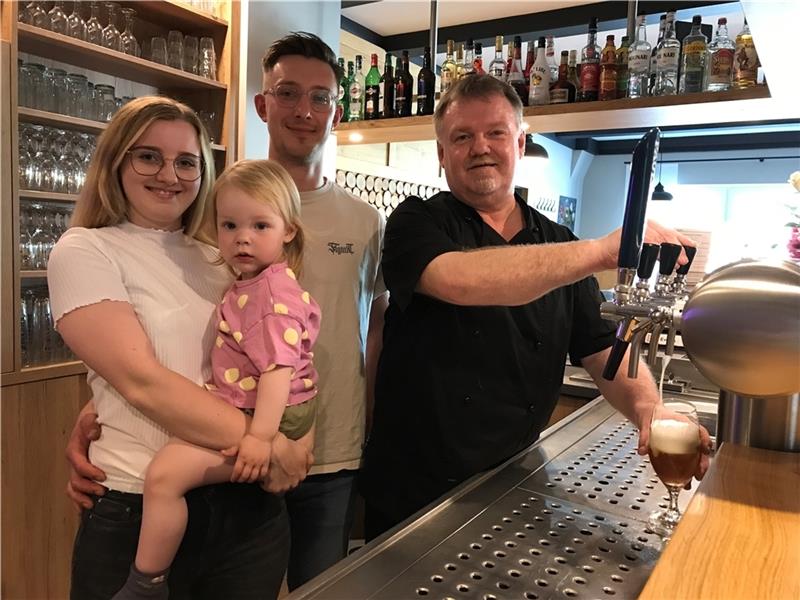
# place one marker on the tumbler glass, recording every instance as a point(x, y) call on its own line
point(57, 19)
point(77, 96)
point(107, 104)
point(55, 87)
point(158, 50)
point(207, 64)
point(190, 50)
point(175, 49)
point(76, 26)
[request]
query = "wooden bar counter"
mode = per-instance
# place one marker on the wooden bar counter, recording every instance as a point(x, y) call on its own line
point(740, 535)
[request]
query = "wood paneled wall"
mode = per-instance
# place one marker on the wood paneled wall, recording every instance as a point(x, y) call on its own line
point(38, 521)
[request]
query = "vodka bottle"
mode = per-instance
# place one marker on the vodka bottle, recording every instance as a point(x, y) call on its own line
point(639, 62)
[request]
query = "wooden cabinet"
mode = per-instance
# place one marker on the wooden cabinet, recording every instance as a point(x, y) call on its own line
point(40, 401)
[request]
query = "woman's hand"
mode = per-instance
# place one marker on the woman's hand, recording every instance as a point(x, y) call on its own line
point(252, 459)
point(289, 463)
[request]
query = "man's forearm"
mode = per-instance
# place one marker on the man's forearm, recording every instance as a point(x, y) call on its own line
point(510, 276)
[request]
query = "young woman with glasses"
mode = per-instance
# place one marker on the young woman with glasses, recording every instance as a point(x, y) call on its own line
point(134, 287)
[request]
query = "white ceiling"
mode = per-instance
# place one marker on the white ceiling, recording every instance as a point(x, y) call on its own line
point(391, 17)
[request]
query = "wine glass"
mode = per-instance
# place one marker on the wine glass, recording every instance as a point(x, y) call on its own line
point(57, 18)
point(111, 35)
point(94, 29)
point(675, 455)
point(128, 43)
point(76, 26)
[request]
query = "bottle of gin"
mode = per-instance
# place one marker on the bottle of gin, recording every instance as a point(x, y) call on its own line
point(720, 62)
point(639, 62)
point(693, 59)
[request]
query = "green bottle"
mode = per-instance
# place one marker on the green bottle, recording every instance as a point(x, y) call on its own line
point(372, 91)
point(344, 98)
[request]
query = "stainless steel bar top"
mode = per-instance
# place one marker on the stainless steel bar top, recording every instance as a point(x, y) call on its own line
point(566, 518)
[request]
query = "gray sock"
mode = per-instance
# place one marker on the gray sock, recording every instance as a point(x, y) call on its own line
point(140, 586)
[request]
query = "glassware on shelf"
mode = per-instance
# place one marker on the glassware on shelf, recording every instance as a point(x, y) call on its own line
point(175, 49)
point(32, 86)
point(76, 26)
point(57, 19)
point(77, 96)
point(158, 50)
point(106, 102)
point(94, 29)
point(36, 15)
point(55, 90)
point(41, 343)
point(675, 454)
point(128, 43)
point(111, 35)
point(208, 119)
point(207, 61)
point(190, 51)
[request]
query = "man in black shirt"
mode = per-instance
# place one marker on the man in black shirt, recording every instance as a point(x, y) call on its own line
point(487, 297)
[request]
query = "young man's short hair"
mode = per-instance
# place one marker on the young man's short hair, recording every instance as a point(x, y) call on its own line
point(301, 43)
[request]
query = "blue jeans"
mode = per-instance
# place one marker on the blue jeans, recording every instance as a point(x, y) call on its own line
point(236, 545)
point(320, 517)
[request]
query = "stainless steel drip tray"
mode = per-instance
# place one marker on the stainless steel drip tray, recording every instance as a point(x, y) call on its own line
point(566, 518)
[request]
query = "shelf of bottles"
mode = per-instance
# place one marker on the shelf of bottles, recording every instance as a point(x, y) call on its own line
point(384, 193)
point(616, 82)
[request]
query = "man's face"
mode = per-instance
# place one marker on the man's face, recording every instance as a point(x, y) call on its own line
point(479, 143)
point(298, 133)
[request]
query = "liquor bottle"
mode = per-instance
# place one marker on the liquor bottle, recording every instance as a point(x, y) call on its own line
point(550, 54)
point(387, 89)
point(515, 77)
point(343, 99)
point(622, 67)
point(572, 74)
point(540, 77)
point(497, 68)
point(372, 90)
point(745, 60)
point(720, 63)
point(469, 57)
point(639, 62)
point(357, 92)
point(668, 60)
point(509, 57)
point(354, 94)
point(693, 59)
point(608, 71)
point(449, 69)
point(590, 65)
point(562, 91)
point(426, 85)
point(461, 69)
point(529, 60)
point(662, 26)
point(477, 63)
point(403, 88)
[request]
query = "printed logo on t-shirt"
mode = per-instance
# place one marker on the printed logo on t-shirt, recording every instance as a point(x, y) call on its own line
point(337, 248)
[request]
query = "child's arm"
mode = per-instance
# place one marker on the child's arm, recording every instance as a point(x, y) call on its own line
point(252, 462)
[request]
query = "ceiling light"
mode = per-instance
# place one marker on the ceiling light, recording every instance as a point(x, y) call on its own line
point(356, 137)
point(659, 193)
point(534, 150)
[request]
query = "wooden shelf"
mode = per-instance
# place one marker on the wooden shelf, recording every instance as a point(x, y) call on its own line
point(733, 106)
point(53, 371)
point(51, 119)
point(47, 196)
point(33, 274)
point(47, 44)
point(179, 15)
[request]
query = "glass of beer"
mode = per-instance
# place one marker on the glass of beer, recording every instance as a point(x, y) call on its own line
point(675, 455)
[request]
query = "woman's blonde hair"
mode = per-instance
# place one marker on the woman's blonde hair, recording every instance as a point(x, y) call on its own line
point(102, 201)
point(269, 183)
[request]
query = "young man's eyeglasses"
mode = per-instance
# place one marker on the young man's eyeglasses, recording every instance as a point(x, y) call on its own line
point(147, 161)
point(287, 96)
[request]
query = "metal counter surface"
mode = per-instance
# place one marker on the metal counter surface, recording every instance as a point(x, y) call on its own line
point(565, 518)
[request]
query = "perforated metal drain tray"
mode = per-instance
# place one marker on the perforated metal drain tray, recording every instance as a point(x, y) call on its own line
point(564, 519)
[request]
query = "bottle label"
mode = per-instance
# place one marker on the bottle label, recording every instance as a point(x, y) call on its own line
point(559, 96)
point(447, 79)
point(721, 66)
point(372, 96)
point(667, 59)
point(609, 56)
point(695, 48)
point(639, 61)
point(341, 93)
point(355, 92)
point(745, 61)
point(590, 77)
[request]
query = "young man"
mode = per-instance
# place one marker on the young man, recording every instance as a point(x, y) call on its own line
point(341, 270)
point(487, 297)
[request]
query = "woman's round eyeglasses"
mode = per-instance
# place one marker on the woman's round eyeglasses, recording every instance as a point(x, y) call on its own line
point(148, 162)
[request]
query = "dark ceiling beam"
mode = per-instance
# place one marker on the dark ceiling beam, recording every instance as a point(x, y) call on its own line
point(702, 143)
point(364, 33)
point(560, 23)
point(354, 3)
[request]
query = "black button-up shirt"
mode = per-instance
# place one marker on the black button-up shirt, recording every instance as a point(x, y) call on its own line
point(462, 388)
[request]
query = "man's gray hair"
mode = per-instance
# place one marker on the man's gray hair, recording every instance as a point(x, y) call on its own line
point(476, 86)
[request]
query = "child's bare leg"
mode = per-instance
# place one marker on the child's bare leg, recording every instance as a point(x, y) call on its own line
point(176, 469)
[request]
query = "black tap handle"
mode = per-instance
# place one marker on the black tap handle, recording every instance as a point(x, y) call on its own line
point(647, 260)
point(668, 257)
point(690, 253)
point(615, 359)
point(642, 166)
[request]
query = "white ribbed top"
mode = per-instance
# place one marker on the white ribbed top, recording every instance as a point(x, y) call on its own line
point(171, 282)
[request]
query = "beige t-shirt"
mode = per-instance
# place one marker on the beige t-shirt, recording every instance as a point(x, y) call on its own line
point(171, 282)
point(341, 270)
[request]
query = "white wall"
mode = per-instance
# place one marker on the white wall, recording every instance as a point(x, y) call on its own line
point(263, 23)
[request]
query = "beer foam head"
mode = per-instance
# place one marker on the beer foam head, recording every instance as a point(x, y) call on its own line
point(672, 436)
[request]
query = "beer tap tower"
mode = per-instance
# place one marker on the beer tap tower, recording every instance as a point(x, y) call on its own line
point(740, 325)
